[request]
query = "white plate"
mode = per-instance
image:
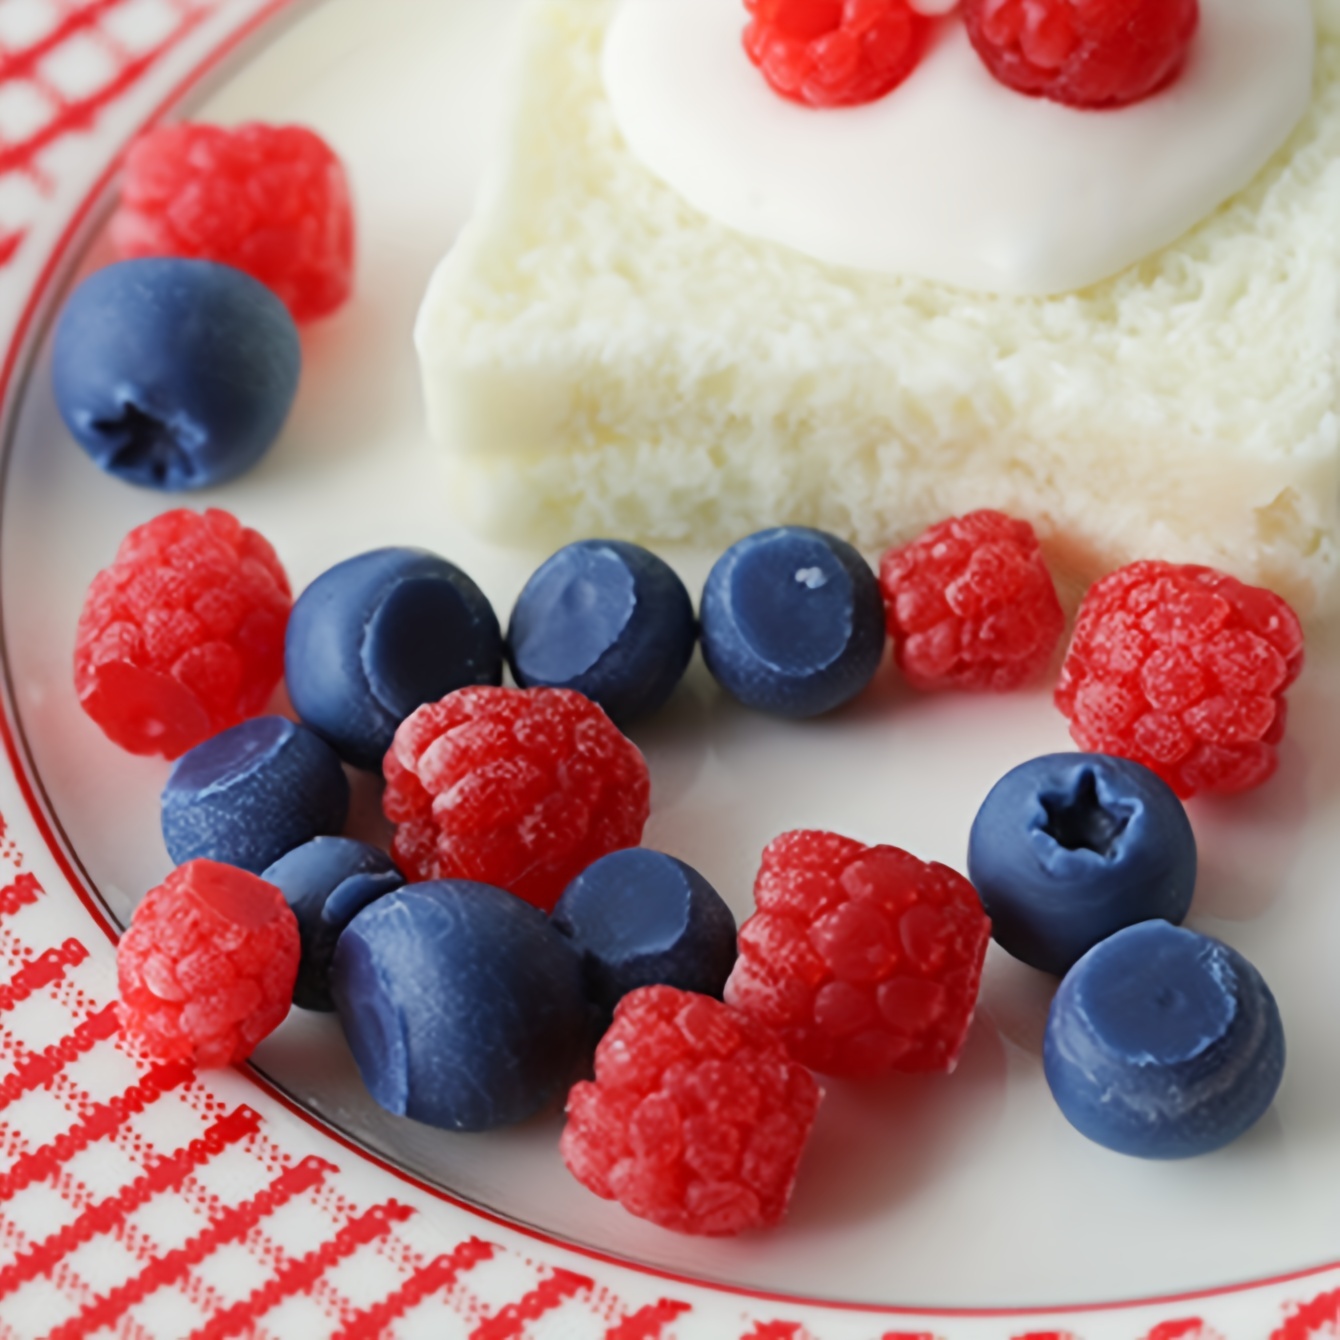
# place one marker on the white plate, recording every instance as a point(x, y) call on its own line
point(932, 1194)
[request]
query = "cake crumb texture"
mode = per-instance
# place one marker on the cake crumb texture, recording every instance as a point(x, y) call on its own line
point(600, 358)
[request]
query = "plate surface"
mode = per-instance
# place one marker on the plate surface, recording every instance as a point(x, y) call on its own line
point(965, 1192)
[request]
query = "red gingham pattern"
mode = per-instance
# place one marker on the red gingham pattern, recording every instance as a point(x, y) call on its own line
point(141, 1200)
point(62, 64)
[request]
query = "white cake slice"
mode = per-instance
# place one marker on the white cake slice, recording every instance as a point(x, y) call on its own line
point(600, 358)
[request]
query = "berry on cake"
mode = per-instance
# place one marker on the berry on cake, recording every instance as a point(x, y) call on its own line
point(1073, 270)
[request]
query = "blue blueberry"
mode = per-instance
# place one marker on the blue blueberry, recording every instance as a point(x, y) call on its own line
point(328, 882)
point(175, 374)
point(252, 793)
point(608, 619)
point(641, 918)
point(1069, 848)
point(462, 1005)
point(1163, 1043)
point(377, 636)
point(792, 622)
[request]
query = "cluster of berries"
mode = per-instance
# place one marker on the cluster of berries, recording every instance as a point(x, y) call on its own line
point(176, 367)
point(1181, 668)
point(271, 201)
point(532, 916)
point(515, 920)
point(1083, 53)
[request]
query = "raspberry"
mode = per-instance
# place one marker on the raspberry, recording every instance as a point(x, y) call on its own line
point(1182, 669)
point(834, 53)
point(207, 967)
point(1085, 53)
point(183, 636)
point(697, 1118)
point(970, 605)
point(270, 200)
point(518, 788)
point(865, 959)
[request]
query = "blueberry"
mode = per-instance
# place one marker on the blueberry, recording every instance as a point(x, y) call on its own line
point(792, 622)
point(462, 1005)
point(1163, 1043)
point(608, 619)
point(641, 918)
point(175, 374)
point(328, 882)
point(1069, 848)
point(377, 636)
point(252, 793)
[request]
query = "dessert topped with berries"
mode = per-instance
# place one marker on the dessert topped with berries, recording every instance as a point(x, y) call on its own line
point(1026, 149)
point(863, 267)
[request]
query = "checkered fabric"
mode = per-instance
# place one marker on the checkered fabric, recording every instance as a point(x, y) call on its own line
point(62, 64)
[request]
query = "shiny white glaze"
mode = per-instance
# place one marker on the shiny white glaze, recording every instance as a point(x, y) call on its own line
point(953, 176)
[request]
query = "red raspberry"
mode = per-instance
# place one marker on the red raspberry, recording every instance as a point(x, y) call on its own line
point(518, 788)
point(207, 967)
point(1085, 53)
point(970, 605)
point(183, 636)
point(697, 1118)
point(1182, 669)
point(833, 53)
point(865, 959)
point(270, 200)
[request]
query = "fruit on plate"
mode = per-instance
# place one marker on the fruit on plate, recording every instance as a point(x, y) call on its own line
point(328, 882)
point(175, 374)
point(970, 605)
point(864, 959)
point(252, 793)
point(608, 619)
point(1163, 1043)
point(642, 918)
point(380, 634)
point(183, 635)
point(1183, 669)
point(207, 965)
point(792, 622)
point(270, 200)
point(520, 788)
point(462, 1005)
point(697, 1118)
point(1071, 848)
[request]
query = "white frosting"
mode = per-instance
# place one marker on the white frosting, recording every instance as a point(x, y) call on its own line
point(952, 176)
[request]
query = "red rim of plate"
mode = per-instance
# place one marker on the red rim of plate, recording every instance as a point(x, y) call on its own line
point(20, 350)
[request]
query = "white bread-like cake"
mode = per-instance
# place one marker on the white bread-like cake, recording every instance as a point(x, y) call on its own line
point(600, 358)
